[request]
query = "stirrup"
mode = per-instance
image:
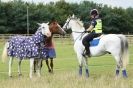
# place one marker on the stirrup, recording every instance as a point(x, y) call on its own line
point(85, 55)
point(88, 55)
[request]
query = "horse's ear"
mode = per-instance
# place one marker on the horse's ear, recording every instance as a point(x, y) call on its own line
point(73, 16)
point(39, 24)
point(47, 23)
point(69, 16)
point(53, 19)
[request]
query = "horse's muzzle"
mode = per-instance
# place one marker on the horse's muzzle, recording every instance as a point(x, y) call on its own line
point(63, 33)
point(48, 34)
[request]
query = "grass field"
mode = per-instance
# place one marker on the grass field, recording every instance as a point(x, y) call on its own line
point(102, 72)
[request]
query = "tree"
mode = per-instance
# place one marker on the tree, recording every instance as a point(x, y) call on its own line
point(13, 15)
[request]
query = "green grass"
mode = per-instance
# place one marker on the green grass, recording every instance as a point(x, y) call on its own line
point(102, 72)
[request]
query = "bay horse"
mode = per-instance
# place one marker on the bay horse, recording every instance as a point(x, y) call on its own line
point(55, 28)
point(115, 44)
point(23, 47)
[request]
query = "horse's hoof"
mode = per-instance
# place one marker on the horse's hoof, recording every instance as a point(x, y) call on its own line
point(30, 76)
point(117, 72)
point(10, 76)
point(34, 72)
point(117, 77)
point(87, 75)
point(19, 75)
point(80, 74)
point(124, 74)
point(50, 71)
point(39, 76)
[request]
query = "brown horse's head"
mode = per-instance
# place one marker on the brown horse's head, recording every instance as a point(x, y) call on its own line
point(55, 28)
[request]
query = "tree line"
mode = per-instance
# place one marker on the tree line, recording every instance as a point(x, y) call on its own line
point(13, 15)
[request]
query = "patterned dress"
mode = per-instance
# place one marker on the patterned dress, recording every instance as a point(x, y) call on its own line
point(27, 47)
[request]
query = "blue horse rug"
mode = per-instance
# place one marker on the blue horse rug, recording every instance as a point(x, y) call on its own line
point(94, 42)
point(50, 52)
point(27, 47)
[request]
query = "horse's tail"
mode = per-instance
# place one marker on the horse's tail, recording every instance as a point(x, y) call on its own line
point(4, 54)
point(124, 51)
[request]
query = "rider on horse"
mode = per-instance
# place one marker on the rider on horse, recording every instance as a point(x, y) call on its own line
point(94, 30)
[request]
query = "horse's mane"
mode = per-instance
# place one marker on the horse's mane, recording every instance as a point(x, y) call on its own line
point(38, 30)
point(52, 20)
point(80, 22)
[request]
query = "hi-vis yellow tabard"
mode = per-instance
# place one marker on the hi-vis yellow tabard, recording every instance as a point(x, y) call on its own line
point(98, 27)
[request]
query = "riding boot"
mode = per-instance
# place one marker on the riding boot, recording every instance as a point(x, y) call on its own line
point(87, 51)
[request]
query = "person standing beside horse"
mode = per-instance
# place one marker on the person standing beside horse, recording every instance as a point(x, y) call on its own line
point(94, 30)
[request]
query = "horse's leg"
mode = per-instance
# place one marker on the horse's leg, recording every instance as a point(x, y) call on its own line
point(47, 63)
point(35, 65)
point(124, 54)
point(41, 63)
point(31, 66)
point(117, 70)
point(124, 72)
point(51, 64)
point(119, 64)
point(86, 66)
point(10, 66)
point(19, 67)
point(80, 57)
point(39, 67)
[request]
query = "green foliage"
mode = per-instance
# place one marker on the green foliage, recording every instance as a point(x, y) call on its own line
point(13, 15)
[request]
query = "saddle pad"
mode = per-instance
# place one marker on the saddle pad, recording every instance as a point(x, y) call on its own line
point(94, 42)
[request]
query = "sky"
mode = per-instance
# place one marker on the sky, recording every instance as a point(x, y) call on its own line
point(113, 3)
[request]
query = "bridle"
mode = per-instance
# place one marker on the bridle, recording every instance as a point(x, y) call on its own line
point(68, 23)
point(82, 33)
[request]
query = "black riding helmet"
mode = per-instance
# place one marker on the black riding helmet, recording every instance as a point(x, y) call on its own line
point(94, 12)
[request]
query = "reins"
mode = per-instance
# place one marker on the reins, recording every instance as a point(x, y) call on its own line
point(82, 33)
point(80, 36)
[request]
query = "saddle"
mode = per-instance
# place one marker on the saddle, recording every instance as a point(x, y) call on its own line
point(95, 41)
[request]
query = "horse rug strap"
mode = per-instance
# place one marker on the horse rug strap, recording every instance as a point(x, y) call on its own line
point(95, 41)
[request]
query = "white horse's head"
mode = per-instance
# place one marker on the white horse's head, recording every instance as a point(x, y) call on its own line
point(44, 27)
point(74, 24)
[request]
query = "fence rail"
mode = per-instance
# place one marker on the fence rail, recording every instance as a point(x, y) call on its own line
point(7, 36)
point(57, 37)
